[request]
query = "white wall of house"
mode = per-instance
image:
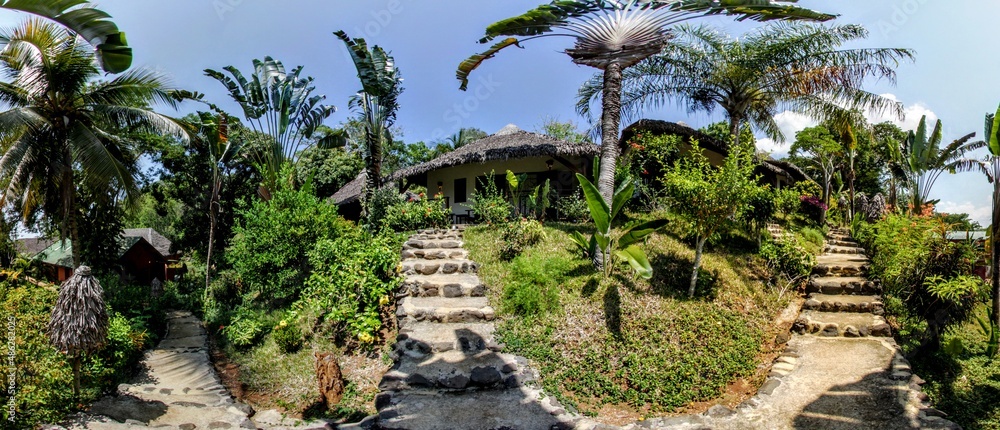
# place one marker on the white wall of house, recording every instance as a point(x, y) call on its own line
point(469, 172)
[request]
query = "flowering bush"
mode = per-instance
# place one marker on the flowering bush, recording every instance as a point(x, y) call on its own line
point(813, 207)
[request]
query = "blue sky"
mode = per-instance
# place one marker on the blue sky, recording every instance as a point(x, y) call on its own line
point(952, 79)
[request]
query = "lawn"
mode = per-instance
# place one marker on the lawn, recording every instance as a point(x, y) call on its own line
point(626, 348)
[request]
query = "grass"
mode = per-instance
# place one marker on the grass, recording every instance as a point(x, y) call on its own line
point(287, 381)
point(626, 347)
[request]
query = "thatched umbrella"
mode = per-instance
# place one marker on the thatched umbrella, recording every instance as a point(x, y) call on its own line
point(79, 323)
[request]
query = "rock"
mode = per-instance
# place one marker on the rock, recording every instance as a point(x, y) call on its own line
point(452, 290)
point(331, 381)
point(485, 375)
point(769, 386)
point(269, 417)
point(123, 408)
point(933, 412)
point(881, 330)
point(851, 331)
point(811, 304)
point(917, 380)
point(830, 330)
point(719, 411)
point(782, 338)
point(187, 426)
point(418, 380)
point(454, 380)
point(241, 408)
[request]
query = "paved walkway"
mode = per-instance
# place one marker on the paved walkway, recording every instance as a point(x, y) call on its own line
point(178, 388)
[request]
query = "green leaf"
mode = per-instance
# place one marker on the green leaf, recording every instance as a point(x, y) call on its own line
point(637, 259)
point(603, 240)
point(580, 241)
point(599, 211)
point(541, 19)
point(625, 192)
point(512, 180)
point(754, 10)
point(638, 232)
point(473, 62)
point(992, 134)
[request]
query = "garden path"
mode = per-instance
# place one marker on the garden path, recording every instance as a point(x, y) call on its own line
point(178, 388)
point(841, 369)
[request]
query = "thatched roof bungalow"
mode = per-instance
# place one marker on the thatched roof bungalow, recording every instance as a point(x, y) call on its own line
point(138, 260)
point(457, 174)
point(774, 172)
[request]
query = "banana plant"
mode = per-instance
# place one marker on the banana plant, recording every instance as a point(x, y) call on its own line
point(93, 25)
point(612, 246)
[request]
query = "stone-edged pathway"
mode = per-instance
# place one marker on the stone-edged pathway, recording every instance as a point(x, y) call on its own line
point(179, 388)
point(449, 371)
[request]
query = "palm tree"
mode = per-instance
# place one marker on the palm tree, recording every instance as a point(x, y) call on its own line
point(60, 122)
point(612, 36)
point(93, 25)
point(920, 160)
point(277, 104)
point(376, 104)
point(797, 67)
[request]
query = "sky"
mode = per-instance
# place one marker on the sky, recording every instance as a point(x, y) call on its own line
point(951, 79)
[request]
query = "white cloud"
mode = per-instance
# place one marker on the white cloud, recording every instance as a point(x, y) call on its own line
point(912, 115)
point(981, 214)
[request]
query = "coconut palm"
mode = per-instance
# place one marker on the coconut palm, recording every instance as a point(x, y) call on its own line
point(920, 160)
point(786, 66)
point(60, 123)
point(376, 104)
point(612, 36)
point(93, 25)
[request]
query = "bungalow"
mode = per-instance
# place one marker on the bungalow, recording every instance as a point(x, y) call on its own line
point(777, 173)
point(138, 261)
point(455, 176)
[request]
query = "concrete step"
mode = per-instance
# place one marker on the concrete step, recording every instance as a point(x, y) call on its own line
point(839, 237)
point(833, 324)
point(432, 244)
point(435, 254)
point(418, 339)
point(446, 267)
point(841, 265)
point(446, 310)
point(191, 397)
point(837, 249)
point(485, 409)
point(454, 285)
point(457, 370)
point(842, 285)
point(844, 303)
point(848, 243)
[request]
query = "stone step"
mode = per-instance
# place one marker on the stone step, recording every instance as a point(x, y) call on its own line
point(833, 324)
point(435, 254)
point(190, 397)
point(457, 370)
point(839, 237)
point(842, 285)
point(485, 409)
point(432, 244)
point(418, 339)
point(445, 310)
point(446, 267)
point(454, 285)
point(844, 303)
point(840, 265)
point(837, 249)
point(849, 243)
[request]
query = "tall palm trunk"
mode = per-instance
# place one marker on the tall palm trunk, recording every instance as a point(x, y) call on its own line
point(735, 122)
point(610, 121)
point(995, 237)
point(71, 217)
point(850, 186)
point(212, 222)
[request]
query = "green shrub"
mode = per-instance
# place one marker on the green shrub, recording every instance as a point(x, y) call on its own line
point(288, 336)
point(127, 339)
point(517, 236)
point(489, 205)
point(410, 216)
point(786, 201)
point(573, 208)
point(787, 258)
point(534, 286)
point(243, 331)
point(352, 281)
point(269, 251)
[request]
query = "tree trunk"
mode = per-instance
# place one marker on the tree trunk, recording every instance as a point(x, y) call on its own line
point(373, 173)
point(76, 376)
point(697, 265)
point(995, 266)
point(734, 130)
point(610, 118)
point(850, 187)
point(212, 220)
point(827, 178)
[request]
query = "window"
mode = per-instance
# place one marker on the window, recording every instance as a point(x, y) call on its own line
point(460, 191)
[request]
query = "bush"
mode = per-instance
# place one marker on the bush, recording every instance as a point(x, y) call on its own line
point(489, 205)
point(288, 336)
point(269, 252)
point(573, 208)
point(352, 281)
point(533, 289)
point(244, 330)
point(416, 215)
point(787, 258)
point(786, 202)
point(517, 236)
point(127, 338)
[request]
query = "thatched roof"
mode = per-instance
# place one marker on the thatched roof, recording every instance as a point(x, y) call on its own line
point(60, 253)
point(510, 143)
point(79, 322)
point(31, 246)
point(161, 243)
point(656, 126)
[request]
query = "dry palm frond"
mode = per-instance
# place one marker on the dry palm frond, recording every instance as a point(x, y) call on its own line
point(79, 323)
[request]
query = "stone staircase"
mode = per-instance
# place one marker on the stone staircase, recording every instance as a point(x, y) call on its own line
point(449, 370)
point(841, 300)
